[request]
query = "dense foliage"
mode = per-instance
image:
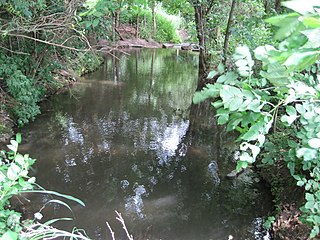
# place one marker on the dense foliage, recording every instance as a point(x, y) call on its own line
point(38, 39)
point(283, 96)
point(136, 14)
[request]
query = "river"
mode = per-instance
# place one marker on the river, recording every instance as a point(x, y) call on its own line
point(127, 138)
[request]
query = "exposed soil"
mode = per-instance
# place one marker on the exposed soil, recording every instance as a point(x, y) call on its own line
point(287, 199)
point(138, 43)
point(288, 226)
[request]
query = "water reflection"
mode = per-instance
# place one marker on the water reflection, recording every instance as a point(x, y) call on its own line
point(127, 139)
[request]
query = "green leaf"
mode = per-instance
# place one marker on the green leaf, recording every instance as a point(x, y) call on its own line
point(217, 104)
point(241, 165)
point(212, 74)
point(51, 221)
point(311, 22)
point(231, 97)
point(307, 154)
point(302, 7)
point(9, 235)
point(314, 143)
point(301, 60)
point(310, 205)
point(221, 68)
point(87, 24)
point(18, 138)
point(56, 194)
point(313, 36)
point(309, 197)
point(255, 150)
point(300, 183)
point(210, 91)
point(228, 78)
point(255, 106)
point(245, 157)
point(223, 119)
point(60, 203)
point(19, 159)
point(95, 22)
point(287, 24)
point(277, 75)
point(254, 132)
point(13, 171)
point(300, 108)
point(2, 177)
point(291, 110)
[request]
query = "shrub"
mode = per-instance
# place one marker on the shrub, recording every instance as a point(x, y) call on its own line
point(284, 96)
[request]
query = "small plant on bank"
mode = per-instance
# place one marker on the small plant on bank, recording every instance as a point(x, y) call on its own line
point(15, 180)
point(283, 98)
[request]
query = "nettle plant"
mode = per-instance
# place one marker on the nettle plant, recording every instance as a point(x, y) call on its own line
point(283, 97)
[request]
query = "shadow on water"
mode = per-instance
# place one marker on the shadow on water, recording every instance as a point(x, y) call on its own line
point(127, 139)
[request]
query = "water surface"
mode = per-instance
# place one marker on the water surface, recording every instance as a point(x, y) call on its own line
point(126, 138)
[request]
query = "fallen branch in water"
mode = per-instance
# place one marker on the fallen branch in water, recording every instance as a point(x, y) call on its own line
point(121, 220)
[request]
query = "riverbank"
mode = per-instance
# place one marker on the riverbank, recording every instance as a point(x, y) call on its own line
point(287, 199)
point(68, 69)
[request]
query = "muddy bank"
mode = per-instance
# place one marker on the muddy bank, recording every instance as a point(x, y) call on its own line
point(287, 198)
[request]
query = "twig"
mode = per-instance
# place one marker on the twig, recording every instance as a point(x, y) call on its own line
point(7, 49)
point(112, 232)
point(48, 43)
point(120, 219)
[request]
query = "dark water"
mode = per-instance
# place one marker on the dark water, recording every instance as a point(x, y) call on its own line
point(126, 138)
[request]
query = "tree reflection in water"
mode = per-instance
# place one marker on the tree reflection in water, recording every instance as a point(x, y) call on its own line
point(127, 139)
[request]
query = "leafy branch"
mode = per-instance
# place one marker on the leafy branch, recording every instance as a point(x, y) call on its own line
point(283, 90)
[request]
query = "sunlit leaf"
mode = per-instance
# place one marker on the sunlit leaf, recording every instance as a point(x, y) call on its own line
point(228, 78)
point(18, 138)
point(9, 235)
point(301, 60)
point(307, 153)
point(311, 22)
point(302, 7)
point(291, 110)
point(241, 165)
point(254, 132)
point(13, 171)
point(19, 159)
point(212, 74)
point(314, 143)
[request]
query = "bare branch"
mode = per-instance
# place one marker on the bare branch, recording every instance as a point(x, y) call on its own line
point(49, 43)
point(16, 52)
point(120, 219)
point(112, 232)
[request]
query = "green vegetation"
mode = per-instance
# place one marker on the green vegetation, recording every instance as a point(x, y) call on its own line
point(38, 40)
point(15, 181)
point(157, 24)
point(271, 99)
point(282, 98)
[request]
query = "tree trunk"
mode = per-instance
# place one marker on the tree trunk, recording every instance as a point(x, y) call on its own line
point(227, 36)
point(137, 27)
point(200, 26)
point(277, 5)
point(113, 28)
point(154, 22)
point(266, 6)
point(117, 18)
point(200, 19)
